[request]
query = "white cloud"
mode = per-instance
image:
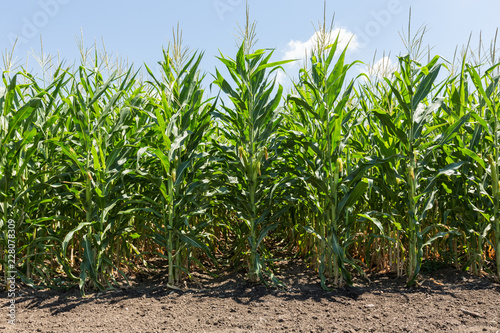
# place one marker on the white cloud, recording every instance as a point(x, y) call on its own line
point(281, 77)
point(301, 50)
point(384, 67)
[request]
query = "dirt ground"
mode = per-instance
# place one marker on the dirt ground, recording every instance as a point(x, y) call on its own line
point(447, 301)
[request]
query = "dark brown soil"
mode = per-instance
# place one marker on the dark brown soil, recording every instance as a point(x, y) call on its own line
point(447, 301)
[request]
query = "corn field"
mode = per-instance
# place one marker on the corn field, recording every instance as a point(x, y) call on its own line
point(102, 170)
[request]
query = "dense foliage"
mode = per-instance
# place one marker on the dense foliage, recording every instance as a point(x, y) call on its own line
point(102, 171)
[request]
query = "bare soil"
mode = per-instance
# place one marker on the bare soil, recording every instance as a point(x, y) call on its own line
point(447, 300)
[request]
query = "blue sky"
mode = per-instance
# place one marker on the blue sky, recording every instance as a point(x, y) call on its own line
point(137, 30)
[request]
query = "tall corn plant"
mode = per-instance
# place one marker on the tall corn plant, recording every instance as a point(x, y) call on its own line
point(420, 135)
point(386, 203)
point(176, 162)
point(460, 195)
point(486, 112)
point(95, 154)
point(17, 144)
point(322, 116)
point(250, 124)
point(42, 222)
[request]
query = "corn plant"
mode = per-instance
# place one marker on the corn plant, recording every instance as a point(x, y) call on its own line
point(96, 159)
point(387, 191)
point(322, 115)
point(40, 193)
point(413, 126)
point(181, 120)
point(487, 113)
point(17, 135)
point(250, 125)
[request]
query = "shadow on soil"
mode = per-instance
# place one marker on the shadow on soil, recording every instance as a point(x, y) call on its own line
point(302, 284)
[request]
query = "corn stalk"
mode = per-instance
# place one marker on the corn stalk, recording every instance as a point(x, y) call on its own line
point(250, 126)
